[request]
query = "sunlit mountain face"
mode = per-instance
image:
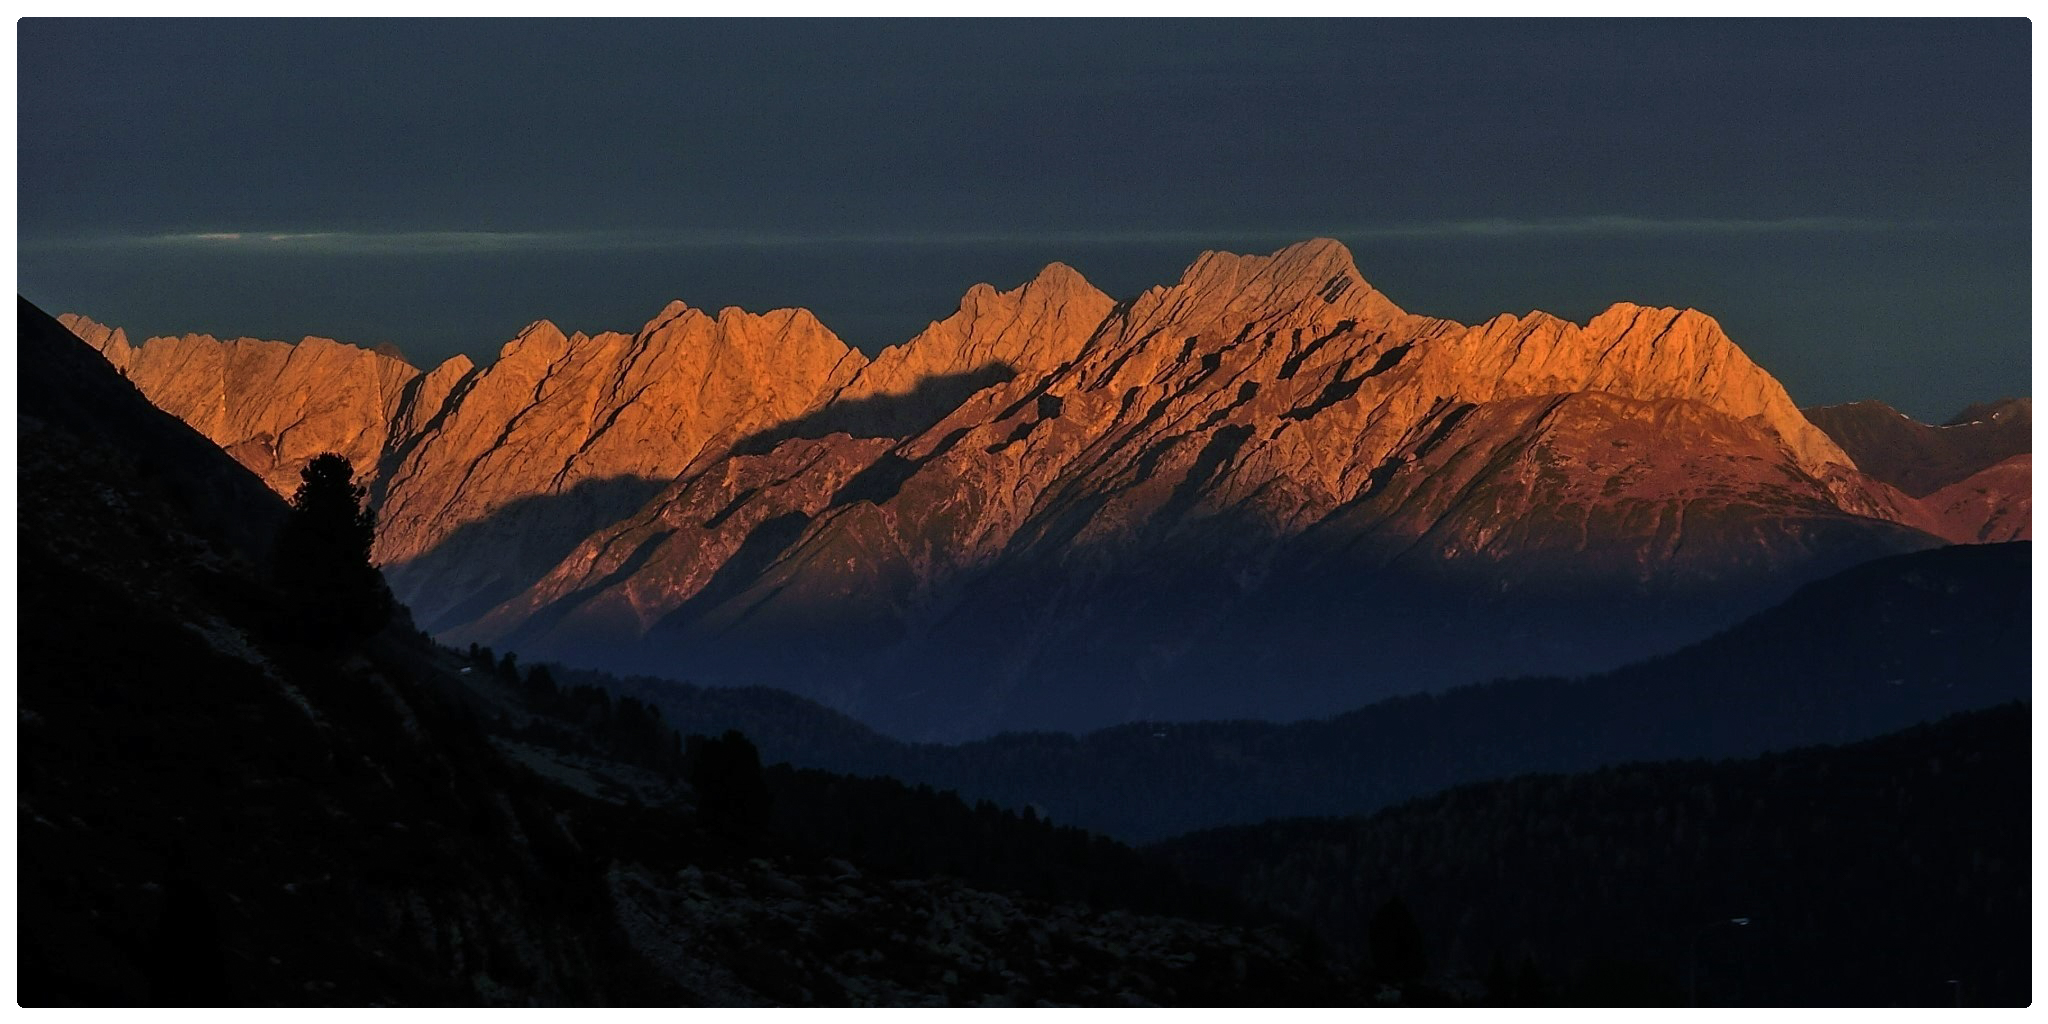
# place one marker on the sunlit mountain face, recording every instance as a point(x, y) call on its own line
point(1264, 491)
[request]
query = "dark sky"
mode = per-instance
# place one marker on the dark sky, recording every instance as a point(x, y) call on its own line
point(1849, 198)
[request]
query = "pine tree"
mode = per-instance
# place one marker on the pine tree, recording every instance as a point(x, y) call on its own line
point(726, 774)
point(1396, 942)
point(323, 557)
point(540, 687)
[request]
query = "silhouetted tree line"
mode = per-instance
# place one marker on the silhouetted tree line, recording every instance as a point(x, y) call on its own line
point(880, 823)
point(916, 831)
point(586, 718)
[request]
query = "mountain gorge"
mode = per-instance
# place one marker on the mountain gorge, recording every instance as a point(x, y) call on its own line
point(1263, 491)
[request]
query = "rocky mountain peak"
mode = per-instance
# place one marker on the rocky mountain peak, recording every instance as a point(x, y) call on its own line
point(270, 404)
point(558, 438)
point(1635, 351)
point(111, 342)
point(1302, 306)
point(675, 308)
point(994, 335)
point(1318, 270)
point(1316, 257)
point(1060, 279)
point(538, 342)
point(2003, 411)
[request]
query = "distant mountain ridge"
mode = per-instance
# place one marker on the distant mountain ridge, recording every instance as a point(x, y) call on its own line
point(1266, 491)
point(1873, 649)
point(1920, 458)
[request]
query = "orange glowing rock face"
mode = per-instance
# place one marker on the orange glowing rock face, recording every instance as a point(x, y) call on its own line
point(271, 404)
point(1039, 467)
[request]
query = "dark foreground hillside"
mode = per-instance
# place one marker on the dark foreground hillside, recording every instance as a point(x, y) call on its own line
point(209, 814)
point(1893, 872)
point(216, 808)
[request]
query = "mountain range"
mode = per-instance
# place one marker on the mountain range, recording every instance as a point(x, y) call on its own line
point(213, 811)
point(1263, 491)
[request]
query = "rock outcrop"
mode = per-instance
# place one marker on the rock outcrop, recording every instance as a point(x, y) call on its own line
point(1265, 490)
point(270, 404)
point(994, 336)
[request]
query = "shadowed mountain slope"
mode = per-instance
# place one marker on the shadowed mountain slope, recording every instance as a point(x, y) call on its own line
point(1968, 481)
point(1988, 506)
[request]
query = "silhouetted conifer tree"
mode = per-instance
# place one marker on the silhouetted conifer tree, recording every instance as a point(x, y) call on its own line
point(323, 557)
point(540, 686)
point(726, 773)
point(1396, 942)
